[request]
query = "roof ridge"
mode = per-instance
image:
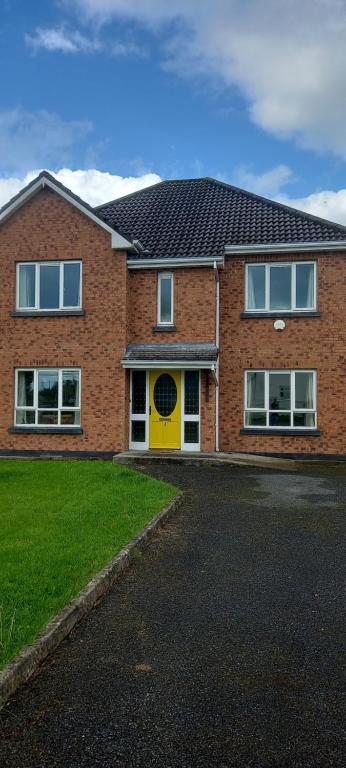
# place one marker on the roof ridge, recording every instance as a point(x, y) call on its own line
point(238, 190)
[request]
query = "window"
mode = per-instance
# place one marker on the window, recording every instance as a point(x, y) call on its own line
point(165, 298)
point(49, 285)
point(280, 399)
point(191, 417)
point(138, 421)
point(47, 397)
point(281, 287)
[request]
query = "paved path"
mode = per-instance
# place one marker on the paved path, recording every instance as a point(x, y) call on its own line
point(222, 647)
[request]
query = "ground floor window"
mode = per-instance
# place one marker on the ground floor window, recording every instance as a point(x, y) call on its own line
point(191, 411)
point(280, 399)
point(47, 397)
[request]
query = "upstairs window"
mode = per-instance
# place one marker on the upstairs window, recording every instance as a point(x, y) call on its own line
point(165, 298)
point(281, 287)
point(49, 285)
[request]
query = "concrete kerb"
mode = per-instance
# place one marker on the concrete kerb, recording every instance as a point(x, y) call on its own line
point(23, 666)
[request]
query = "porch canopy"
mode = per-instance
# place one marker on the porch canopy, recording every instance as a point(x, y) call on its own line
point(201, 355)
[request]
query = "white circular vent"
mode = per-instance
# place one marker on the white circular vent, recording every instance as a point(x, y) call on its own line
point(279, 325)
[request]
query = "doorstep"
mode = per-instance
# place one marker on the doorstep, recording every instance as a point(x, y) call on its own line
point(213, 458)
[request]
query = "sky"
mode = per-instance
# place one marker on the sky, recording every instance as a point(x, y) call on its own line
point(114, 95)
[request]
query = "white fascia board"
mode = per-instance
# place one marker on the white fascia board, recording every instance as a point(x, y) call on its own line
point(168, 365)
point(118, 241)
point(175, 262)
point(246, 250)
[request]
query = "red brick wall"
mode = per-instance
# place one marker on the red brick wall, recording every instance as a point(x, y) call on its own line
point(194, 319)
point(48, 228)
point(317, 343)
point(194, 306)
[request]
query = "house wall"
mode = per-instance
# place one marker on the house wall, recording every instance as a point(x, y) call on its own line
point(194, 321)
point(317, 343)
point(49, 228)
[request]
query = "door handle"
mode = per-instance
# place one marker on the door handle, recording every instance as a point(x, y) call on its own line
point(149, 410)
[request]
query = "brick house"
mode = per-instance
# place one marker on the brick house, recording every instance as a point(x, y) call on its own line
point(191, 315)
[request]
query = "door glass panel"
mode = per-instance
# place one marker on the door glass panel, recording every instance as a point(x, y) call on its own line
point(138, 392)
point(279, 391)
point(191, 432)
point(138, 431)
point(165, 395)
point(192, 393)
point(280, 287)
point(49, 286)
point(47, 390)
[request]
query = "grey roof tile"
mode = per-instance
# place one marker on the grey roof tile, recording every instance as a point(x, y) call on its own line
point(198, 217)
point(171, 352)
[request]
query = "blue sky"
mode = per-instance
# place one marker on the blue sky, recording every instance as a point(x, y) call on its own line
point(250, 91)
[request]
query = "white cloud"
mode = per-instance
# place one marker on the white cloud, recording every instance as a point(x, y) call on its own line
point(287, 57)
point(96, 187)
point(36, 139)
point(63, 40)
point(93, 186)
point(328, 204)
point(269, 183)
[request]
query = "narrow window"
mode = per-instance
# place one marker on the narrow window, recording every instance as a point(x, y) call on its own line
point(191, 412)
point(138, 416)
point(165, 298)
point(49, 286)
point(47, 397)
point(256, 278)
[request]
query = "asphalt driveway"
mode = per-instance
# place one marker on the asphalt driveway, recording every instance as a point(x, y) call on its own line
point(223, 646)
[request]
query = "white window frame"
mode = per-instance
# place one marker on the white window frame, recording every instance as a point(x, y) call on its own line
point(267, 410)
point(135, 446)
point(268, 265)
point(190, 417)
point(165, 276)
point(37, 265)
point(35, 408)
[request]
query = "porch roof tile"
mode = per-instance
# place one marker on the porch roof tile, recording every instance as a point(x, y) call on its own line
point(169, 352)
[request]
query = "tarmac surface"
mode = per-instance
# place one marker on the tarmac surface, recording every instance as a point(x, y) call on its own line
point(222, 647)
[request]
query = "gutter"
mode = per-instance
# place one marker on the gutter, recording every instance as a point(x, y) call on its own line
point(244, 250)
point(169, 364)
point(217, 366)
point(194, 261)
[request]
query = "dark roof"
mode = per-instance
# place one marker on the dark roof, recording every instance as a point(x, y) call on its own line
point(198, 217)
point(166, 352)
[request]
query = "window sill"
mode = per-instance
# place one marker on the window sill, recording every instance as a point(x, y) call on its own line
point(164, 328)
point(32, 430)
point(47, 313)
point(278, 315)
point(281, 432)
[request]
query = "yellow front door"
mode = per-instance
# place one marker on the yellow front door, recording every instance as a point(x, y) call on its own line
point(165, 409)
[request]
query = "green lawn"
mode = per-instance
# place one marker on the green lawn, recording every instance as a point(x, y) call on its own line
point(60, 523)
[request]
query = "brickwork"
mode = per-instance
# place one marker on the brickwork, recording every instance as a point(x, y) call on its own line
point(49, 228)
point(317, 343)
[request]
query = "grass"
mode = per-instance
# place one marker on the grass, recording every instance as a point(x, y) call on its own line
point(60, 523)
